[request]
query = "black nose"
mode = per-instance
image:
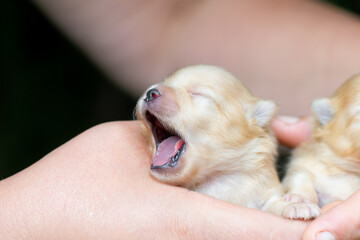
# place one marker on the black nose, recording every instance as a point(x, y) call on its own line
point(152, 94)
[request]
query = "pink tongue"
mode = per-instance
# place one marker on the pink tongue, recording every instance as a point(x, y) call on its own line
point(166, 150)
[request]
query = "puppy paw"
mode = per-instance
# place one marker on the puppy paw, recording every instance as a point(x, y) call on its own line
point(301, 211)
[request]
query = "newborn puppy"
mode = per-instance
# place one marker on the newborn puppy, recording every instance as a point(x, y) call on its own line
point(326, 168)
point(208, 133)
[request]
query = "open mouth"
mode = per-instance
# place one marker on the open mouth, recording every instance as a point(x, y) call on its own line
point(169, 145)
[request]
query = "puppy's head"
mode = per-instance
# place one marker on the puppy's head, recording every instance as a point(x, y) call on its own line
point(338, 119)
point(200, 119)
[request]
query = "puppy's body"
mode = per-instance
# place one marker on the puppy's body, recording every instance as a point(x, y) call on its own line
point(327, 167)
point(211, 135)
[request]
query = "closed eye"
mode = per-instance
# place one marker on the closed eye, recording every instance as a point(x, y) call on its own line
point(196, 94)
point(201, 94)
point(207, 97)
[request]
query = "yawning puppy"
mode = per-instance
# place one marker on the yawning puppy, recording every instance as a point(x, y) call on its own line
point(208, 133)
point(327, 167)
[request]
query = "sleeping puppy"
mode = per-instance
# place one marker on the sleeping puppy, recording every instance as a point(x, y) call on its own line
point(209, 134)
point(326, 168)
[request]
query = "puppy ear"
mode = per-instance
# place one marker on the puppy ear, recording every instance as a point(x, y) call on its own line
point(264, 112)
point(322, 110)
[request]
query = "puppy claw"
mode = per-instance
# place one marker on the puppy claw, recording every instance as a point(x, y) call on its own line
point(301, 211)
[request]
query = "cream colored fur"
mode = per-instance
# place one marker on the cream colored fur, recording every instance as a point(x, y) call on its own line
point(230, 149)
point(327, 167)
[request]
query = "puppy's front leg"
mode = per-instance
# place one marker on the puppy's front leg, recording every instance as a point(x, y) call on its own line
point(275, 202)
point(301, 195)
point(299, 210)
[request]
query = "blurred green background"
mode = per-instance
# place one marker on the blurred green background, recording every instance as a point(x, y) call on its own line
point(49, 91)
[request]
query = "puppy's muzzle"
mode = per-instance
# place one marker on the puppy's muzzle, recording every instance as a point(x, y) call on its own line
point(152, 94)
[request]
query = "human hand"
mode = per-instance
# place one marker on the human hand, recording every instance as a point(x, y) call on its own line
point(97, 186)
point(339, 221)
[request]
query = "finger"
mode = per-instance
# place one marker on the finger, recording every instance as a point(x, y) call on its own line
point(291, 131)
point(341, 222)
point(329, 206)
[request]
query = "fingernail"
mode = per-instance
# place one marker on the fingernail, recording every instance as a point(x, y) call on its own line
point(288, 119)
point(325, 236)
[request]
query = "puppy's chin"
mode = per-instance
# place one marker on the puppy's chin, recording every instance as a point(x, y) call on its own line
point(169, 174)
point(180, 174)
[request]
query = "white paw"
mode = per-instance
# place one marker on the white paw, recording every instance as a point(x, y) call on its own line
point(301, 211)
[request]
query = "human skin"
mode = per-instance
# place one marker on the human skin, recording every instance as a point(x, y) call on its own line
point(276, 47)
point(341, 219)
point(292, 131)
point(97, 186)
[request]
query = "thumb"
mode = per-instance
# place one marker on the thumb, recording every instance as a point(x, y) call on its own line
point(291, 131)
point(341, 222)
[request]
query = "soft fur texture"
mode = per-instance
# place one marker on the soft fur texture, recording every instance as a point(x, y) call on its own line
point(326, 168)
point(230, 149)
